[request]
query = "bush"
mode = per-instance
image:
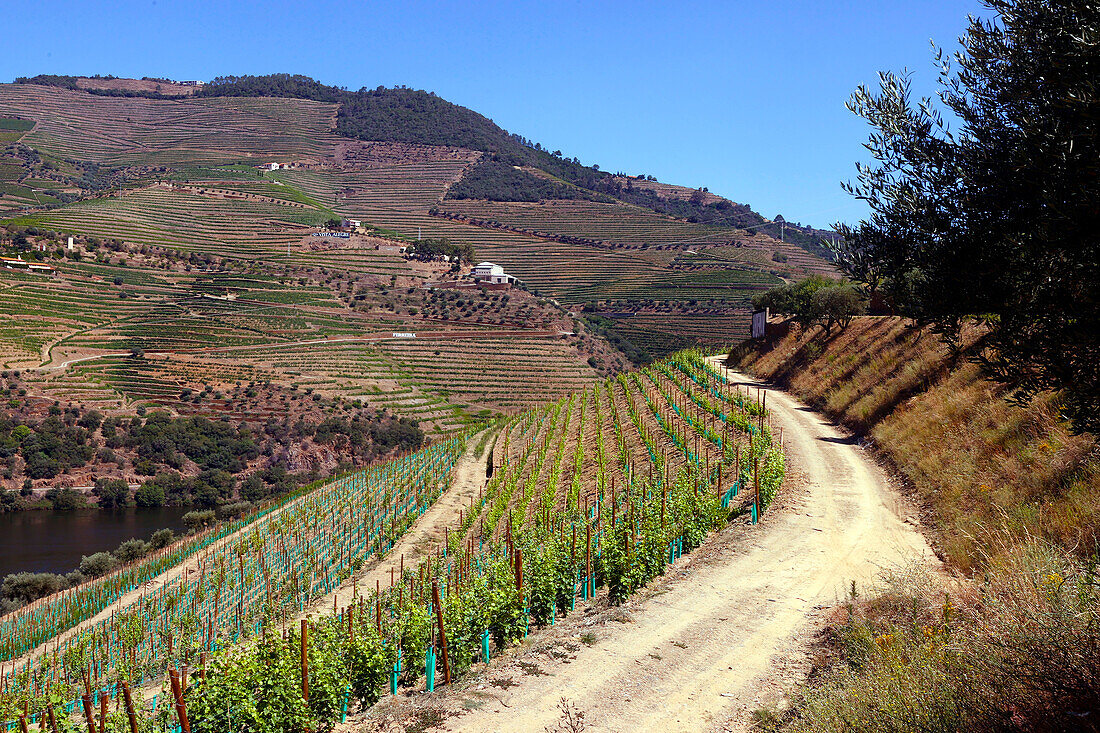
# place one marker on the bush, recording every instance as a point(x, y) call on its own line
point(111, 493)
point(132, 550)
point(22, 588)
point(100, 563)
point(814, 300)
point(149, 494)
point(162, 538)
point(194, 521)
point(66, 499)
point(234, 510)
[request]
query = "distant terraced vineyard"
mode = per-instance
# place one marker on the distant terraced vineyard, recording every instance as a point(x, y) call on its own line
point(614, 223)
point(187, 221)
point(438, 380)
point(138, 131)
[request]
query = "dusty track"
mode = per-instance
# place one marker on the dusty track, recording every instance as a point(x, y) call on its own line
point(697, 649)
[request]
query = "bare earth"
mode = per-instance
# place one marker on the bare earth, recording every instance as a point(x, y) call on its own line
point(723, 630)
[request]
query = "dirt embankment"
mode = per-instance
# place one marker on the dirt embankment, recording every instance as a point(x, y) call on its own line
point(724, 628)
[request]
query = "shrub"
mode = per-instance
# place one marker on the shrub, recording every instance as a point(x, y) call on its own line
point(149, 494)
point(162, 538)
point(66, 499)
point(96, 565)
point(22, 588)
point(194, 521)
point(131, 550)
point(111, 492)
point(234, 510)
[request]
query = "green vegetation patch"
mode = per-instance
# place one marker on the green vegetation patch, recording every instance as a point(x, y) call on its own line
point(12, 123)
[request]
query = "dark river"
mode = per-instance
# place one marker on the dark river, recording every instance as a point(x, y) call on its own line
point(49, 541)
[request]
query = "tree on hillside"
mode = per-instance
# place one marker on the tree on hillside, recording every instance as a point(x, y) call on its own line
point(814, 300)
point(997, 219)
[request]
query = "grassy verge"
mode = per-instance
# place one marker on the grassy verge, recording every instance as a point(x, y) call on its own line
point(1012, 499)
point(976, 462)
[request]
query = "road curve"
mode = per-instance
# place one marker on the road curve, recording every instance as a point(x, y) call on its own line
point(690, 658)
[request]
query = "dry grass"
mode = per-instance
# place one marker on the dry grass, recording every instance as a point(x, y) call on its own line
point(975, 460)
point(1018, 651)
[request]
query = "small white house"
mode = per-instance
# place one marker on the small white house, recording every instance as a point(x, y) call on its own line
point(352, 223)
point(493, 273)
point(273, 166)
point(486, 270)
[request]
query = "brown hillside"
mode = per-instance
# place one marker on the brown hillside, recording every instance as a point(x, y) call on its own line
point(149, 86)
point(976, 461)
point(669, 190)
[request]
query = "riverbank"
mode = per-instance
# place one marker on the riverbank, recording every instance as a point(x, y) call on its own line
point(54, 541)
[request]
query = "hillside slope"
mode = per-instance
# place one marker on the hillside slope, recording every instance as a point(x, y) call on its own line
point(976, 462)
point(418, 117)
point(193, 174)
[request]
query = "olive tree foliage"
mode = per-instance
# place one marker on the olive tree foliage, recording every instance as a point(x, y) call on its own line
point(814, 300)
point(997, 217)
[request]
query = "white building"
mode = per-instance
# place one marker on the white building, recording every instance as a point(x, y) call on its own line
point(486, 270)
point(352, 223)
point(493, 273)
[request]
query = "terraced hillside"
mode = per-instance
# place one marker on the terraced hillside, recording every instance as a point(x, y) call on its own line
point(570, 272)
point(188, 221)
point(129, 131)
point(612, 223)
point(210, 325)
point(190, 253)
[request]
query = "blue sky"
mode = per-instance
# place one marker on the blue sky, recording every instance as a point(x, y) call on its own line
point(746, 98)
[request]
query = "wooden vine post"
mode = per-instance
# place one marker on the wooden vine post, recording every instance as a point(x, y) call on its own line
point(442, 632)
point(104, 701)
point(86, 698)
point(305, 660)
point(519, 572)
point(177, 693)
point(130, 714)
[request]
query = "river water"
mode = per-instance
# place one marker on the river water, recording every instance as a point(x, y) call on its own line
point(52, 541)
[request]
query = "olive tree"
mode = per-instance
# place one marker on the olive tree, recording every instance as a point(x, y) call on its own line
point(995, 216)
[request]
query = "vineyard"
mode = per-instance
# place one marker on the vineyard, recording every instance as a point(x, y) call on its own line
point(134, 131)
point(661, 333)
point(595, 493)
point(619, 224)
point(187, 221)
point(476, 353)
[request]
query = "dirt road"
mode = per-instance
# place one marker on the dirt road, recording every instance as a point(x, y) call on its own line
point(697, 649)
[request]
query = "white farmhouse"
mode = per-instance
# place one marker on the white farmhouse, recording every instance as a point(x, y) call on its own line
point(486, 270)
point(493, 273)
